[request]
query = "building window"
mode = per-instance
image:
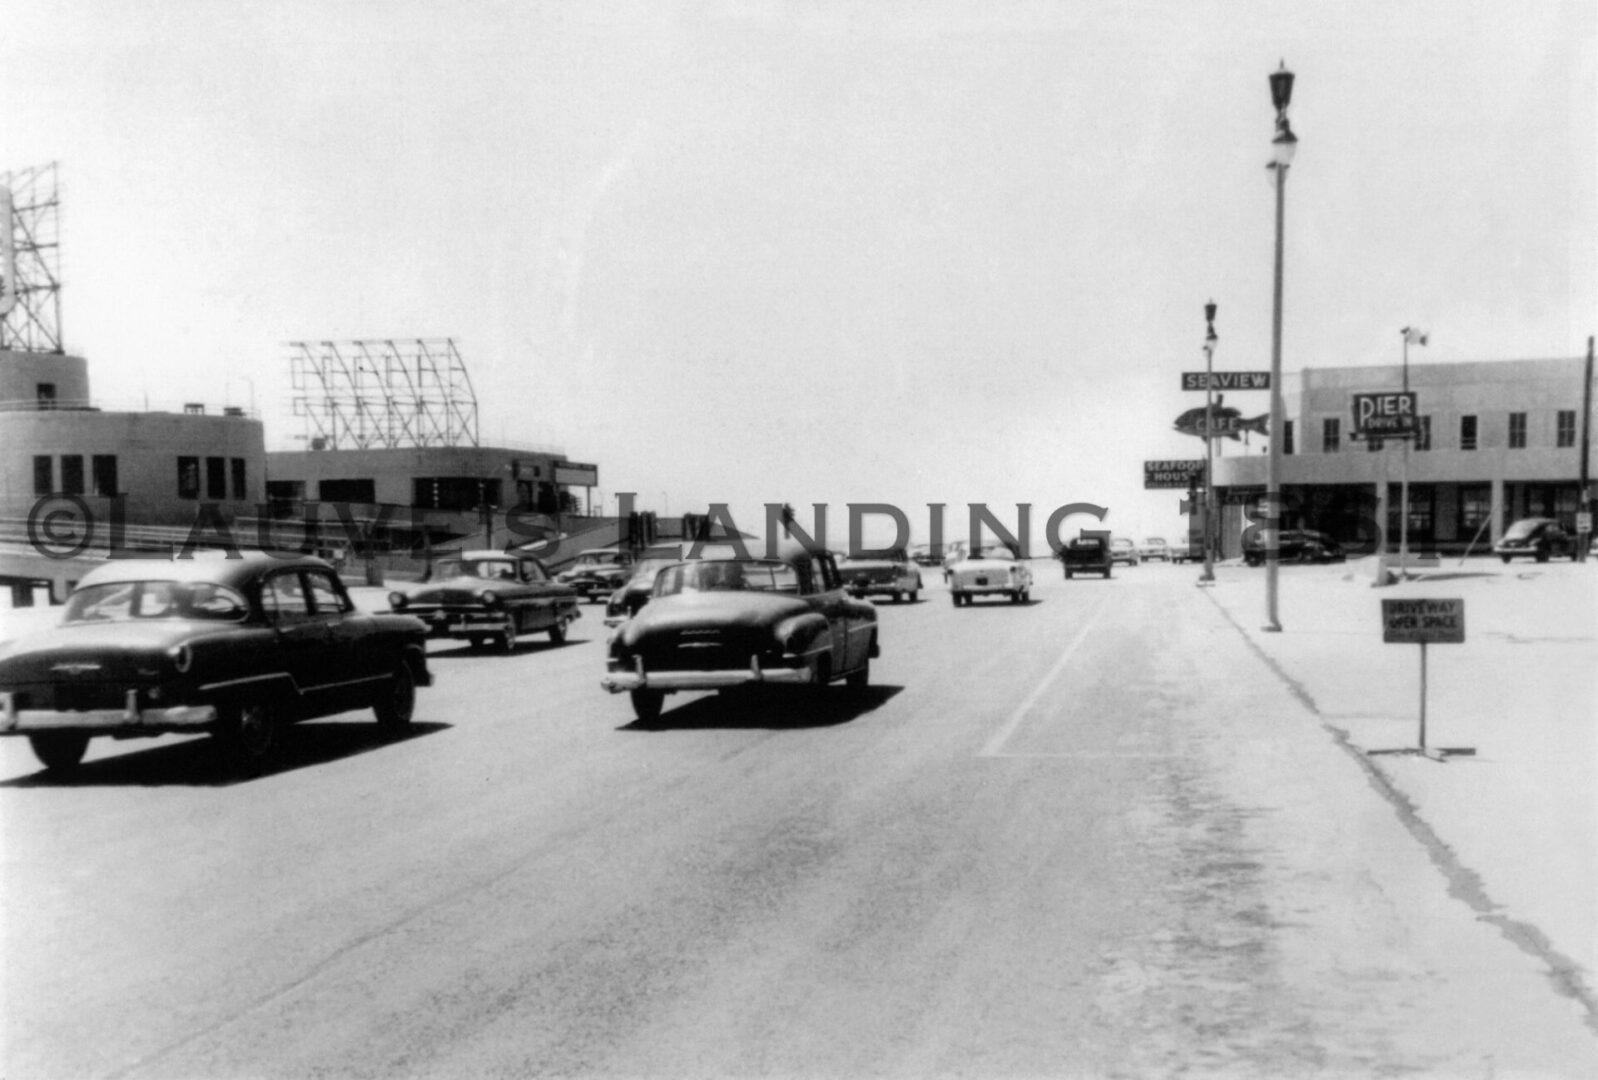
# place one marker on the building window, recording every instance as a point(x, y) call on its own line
point(215, 478)
point(1373, 443)
point(1287, 436)
point(1467, 433)
point(188, 478)
point(46, 394)
point(1423, 433)
point(1567, 427)
point(43, 474)
point(1475, 504)
point(454, 492)
point(1517, 431)
point(72, 474)
point(241, 490)
point(347, 491)
point(105, 474)
point(1331, 434)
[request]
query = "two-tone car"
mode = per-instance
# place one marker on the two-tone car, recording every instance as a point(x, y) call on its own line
point(881, 573)
point(739, 620)
point(1123, 550)
point(598, 572)
point(990, 570)
point(1536, 538)
point(485, 597)
point(233, 647)
point(1154, 547)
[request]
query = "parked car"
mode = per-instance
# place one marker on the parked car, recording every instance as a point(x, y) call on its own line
point(1185, 551)
point(1154, 547)
point(1085, 555)
point(236, 648)
point(1293, 545)
point(990, 570)
point(490, 596)
point(1539, 538)
point(1123, 550)
point(727, 621)
point(892, 575)
point(597, 572)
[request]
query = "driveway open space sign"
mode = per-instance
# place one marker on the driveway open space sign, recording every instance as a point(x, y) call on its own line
point(1423, 622)
point(1389, 414)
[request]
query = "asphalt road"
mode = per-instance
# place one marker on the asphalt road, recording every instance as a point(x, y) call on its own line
point(1090, 836)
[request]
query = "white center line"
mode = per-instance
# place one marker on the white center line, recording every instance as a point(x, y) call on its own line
point(1000, 737)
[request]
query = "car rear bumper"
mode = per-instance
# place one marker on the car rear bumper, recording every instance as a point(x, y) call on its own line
point(15, 721)
point(638, 679)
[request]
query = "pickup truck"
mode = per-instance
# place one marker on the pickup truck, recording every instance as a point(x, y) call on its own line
point(1086, 555)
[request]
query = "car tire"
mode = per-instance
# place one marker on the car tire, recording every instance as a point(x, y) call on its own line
point(557, 633)
point(956, 598)
point(858, 681)
point(1542, 554)
point(59, 751)
point(475, 641)
point(1505, 558)
point(1015, 596)
point(505, 639)
point(647, 703)
point(251, 737)
point(915, 596)
point(397, 703)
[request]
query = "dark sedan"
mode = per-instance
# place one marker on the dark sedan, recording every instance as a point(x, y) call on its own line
point(234, 647)
point(490, 596)
point(731, 621)
point(1293, 545)
point(1536, 538)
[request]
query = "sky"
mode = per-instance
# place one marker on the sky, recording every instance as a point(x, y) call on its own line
point(811, 252)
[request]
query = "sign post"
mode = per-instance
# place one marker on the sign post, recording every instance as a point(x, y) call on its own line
point(1424, 621)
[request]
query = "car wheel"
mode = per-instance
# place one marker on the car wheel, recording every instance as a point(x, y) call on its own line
point(915, 595)
point(1068, 575)
point(860, 680)
point(505, 640)
point(1542, 554)
point(395, 706)
point(251, 737)
point(1505, 558)
point(647, 703)
point(475, 641)
point(557, 633)
point(956, 598)
point(59, 751)
point(1015, 596)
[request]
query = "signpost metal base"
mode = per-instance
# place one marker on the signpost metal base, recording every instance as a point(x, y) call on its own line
point(1436, 753)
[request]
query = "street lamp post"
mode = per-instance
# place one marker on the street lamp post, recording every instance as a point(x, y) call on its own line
point(1418, 336)
point(1282, 148)
point(1208, 515)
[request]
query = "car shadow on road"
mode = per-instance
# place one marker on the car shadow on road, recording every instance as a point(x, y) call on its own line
point(524, 647)
point(197, 762)
point(771, 708)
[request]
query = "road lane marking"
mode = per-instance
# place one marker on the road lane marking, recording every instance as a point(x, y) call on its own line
point(1000, 737)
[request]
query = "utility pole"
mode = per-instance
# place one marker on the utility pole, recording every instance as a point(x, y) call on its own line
point(1584, 540)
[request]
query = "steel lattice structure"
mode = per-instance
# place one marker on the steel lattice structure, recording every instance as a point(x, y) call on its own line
point(357, 395)
point(30, 260)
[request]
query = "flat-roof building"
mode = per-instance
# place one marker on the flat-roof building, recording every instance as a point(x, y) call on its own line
point(1498, 440)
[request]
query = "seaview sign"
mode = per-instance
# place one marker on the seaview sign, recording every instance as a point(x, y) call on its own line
point(1226, 380)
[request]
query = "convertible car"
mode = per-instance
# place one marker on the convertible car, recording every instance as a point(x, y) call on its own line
point(721, 622)
point(892, 575)
point(233, 647)
point(483, 596)
point(990, 570)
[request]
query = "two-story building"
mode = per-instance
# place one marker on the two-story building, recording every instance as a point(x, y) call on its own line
point(1498, 440)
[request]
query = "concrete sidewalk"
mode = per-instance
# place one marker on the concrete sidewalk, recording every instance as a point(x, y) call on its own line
point(1519, 817)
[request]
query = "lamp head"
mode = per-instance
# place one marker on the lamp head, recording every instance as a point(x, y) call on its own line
point(1281, 88)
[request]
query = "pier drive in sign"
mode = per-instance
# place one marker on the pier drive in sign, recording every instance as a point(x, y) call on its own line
point(1389, 414)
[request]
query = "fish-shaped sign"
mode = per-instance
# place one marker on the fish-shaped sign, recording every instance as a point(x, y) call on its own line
point(1223, 420)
